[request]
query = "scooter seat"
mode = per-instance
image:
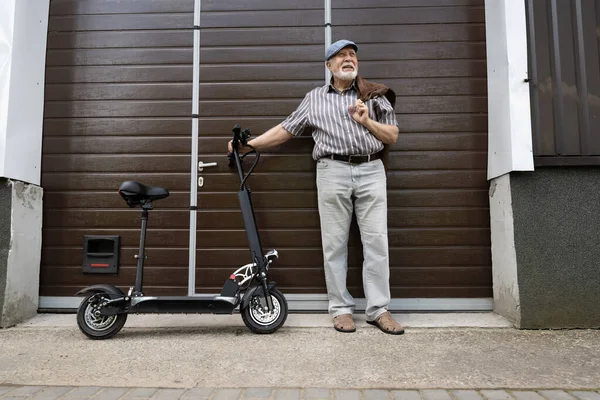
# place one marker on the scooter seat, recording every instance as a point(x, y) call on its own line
point(136, 193)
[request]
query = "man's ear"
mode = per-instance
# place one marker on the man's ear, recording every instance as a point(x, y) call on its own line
point(328, 65)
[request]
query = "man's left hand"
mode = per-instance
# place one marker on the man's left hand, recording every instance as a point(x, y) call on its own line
point(359, 112)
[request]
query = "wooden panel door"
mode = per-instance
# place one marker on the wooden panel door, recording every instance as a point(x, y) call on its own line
point(266, 57)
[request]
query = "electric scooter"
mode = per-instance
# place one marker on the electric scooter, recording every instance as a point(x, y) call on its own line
point(264, 309)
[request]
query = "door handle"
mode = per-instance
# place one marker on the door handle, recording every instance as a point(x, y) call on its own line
point(202, 165)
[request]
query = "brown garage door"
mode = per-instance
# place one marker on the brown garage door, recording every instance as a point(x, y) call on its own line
point(118, 95)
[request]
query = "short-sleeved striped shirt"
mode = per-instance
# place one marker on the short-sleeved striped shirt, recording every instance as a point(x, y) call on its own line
point(324, 111)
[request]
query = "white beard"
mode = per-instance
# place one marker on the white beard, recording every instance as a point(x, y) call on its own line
point(345, 76)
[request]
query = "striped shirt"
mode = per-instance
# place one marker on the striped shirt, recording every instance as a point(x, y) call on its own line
point(324, 111)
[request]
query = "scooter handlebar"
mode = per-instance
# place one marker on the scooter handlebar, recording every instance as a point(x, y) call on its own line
point(239, 137)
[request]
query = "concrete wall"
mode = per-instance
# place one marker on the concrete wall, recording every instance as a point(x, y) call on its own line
point(5, 213)
point(557, 241)
point(20, 250)
point(504, 256)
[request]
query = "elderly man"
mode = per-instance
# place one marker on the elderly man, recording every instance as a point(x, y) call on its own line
point(351, 120)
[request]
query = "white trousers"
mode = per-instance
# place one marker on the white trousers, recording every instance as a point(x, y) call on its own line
point(342, 189)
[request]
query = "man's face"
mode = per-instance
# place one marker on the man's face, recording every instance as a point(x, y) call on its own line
point(344, 65)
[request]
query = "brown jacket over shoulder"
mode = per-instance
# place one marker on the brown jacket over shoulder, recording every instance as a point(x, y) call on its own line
point(368, 90)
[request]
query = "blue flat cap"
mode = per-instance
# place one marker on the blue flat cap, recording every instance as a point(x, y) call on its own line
point(337, 46)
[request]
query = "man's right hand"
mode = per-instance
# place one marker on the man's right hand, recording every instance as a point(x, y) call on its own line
point(241, 149)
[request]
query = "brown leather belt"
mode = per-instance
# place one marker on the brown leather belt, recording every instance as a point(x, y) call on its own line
point(355, 159)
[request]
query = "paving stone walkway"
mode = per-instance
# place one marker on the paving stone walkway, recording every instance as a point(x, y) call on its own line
point(113, 393)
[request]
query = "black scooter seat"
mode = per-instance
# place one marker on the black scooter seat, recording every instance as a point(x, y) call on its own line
point(136, 193)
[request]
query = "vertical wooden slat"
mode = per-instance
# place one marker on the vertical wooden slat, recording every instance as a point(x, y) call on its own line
point(568, 83)
point(544, 85)
point(591, 32)
point(556, 79)
point(598, 26)
point(582, 89)
point(534, 78)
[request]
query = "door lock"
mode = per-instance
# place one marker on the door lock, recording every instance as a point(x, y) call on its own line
point(200, 181)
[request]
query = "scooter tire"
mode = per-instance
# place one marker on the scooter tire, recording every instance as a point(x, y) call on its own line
point(255, 319)
point(98, 327)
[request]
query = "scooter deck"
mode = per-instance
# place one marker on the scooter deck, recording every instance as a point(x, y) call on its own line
point(204, 304)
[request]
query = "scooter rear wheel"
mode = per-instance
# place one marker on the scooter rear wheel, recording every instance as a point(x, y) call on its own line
point(93, 324)
point(260, 321)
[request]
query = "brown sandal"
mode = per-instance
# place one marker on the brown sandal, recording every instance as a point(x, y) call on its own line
point(344, 323)
point(386, 323)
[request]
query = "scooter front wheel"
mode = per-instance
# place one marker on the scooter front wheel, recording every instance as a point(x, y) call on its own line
point(93, 324)
point(259, 320)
